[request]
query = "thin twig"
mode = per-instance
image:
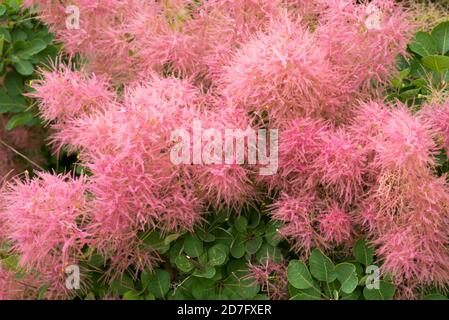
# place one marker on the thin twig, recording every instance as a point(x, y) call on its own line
point(21, 155)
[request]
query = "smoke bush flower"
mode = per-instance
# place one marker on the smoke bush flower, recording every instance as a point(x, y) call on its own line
point(340, 165)
point(226, 184)
point(44, 219)
point(438, 119)
point(272, 277)
point(134, 184)
point(298, 214)
point(299, 146)
point(281, 72)
point(12, 288)
point(228, 26)
point(406, 218)
point(335, 225)
point(404, 142)
point(354, 33)
point(64, 93)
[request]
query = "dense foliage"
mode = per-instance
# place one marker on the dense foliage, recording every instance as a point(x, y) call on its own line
point(360, 197)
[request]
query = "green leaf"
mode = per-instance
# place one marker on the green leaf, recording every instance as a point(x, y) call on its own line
point(31, 48)
point(2, 9)
point(243, 287)
point(19, 120)
point(307, 294)
point(11, 262)
point(268, 252)
point(154, 240)
point(423, 44)
point(254, 219)
point(206, 271)
point(193, 246)
point(238, 246)
point(18, 35)
point(6, 34)
point(347, 275)
point(436, 63)
point(409, 94)
point(441, 36)
point(419, 82)
point(435, 296)
point(354, 295)
point(417, 68)
point(298, 275)
point(219, 273)
point(398, 81)
point(150, 296)
point(14, 4)
point(157, 283)
point(241, 223)
point(90, 296)
point(24, 67)
point(183, 263)
point(404, 73)
point(183, 290)
point(13, 83)
point(253, 245)
point(224, 237)
point(272, 233)
point(2, 41)
point(131, 295)
point(170, 238)
point(205, 236)
point(42, 291)
point(321, 267)
point(363, 253)
point(12, 104)
point(238, 268)
point(203, 289)
point(385, 292)
point(121, 286)
point(217, 255)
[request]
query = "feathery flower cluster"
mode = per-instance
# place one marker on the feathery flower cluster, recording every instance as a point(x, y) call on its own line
point(405, 211)
point(347, 164)
point(272, 277)
point(438, 117)
point(44, 220)
point(78, 92)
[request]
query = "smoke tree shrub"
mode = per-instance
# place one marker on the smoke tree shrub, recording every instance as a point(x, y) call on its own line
point(350, 165)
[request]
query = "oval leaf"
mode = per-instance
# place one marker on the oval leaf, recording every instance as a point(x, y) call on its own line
point(321, 267)
point(183, 263)
point(131, 295)
point(363, 253)
point(423, 44)
point(436, 63)
point(157, 283)
point(384, 292)
point(441, 36)
point(298, 275)
point(347, 275)
point(24, 67)
point(13, 83)
point(193, 246)
point(217, 255)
